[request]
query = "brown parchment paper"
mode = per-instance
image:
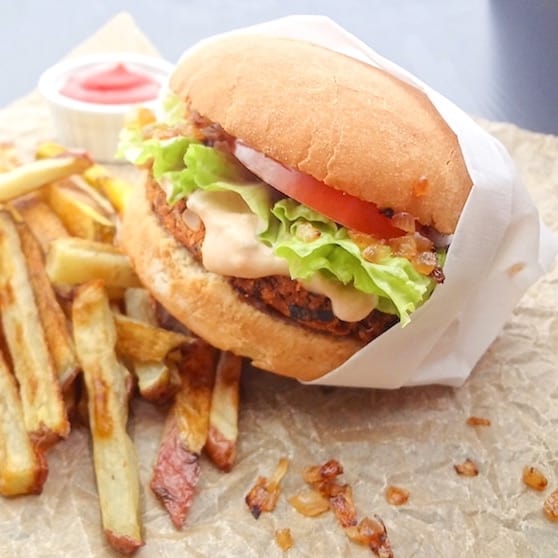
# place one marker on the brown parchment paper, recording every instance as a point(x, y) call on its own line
point(411, 437)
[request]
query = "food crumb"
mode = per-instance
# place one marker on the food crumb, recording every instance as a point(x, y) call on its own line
point(284, 539)
point(478, 421)
point(550, 506)
point(396, 496)
point(466, 469)
point(534, 478)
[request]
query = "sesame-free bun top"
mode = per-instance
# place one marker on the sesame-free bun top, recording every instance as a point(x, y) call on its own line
point(344, 122)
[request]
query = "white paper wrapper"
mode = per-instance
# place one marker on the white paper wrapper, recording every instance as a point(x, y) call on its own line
point(499, 249)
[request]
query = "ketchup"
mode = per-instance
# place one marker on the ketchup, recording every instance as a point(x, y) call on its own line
point(115, 84)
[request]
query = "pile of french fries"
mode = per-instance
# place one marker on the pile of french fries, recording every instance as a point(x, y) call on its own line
point(80, 336)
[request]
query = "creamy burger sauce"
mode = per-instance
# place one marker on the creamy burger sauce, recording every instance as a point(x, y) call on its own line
point(231, 247)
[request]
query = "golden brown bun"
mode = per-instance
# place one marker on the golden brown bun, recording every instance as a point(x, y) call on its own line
point(209, 307)
point(346, 123)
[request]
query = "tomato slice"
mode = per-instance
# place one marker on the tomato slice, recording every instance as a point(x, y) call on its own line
point(343, 208)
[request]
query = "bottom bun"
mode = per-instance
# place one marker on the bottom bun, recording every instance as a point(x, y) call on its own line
point(209, 307)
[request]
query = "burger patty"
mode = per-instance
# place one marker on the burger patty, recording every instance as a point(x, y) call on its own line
point(275, 294)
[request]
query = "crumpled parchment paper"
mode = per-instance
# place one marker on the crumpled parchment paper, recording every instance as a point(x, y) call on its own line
point(410, 437)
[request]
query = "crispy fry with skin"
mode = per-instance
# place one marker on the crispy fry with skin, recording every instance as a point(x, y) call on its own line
point(43, 406)
point(55, 326)
point(72, 261)
point(23, 469)
point(156, 379)
point(43, 222)
point(115, 460)
point(220, 445)
point(26, 178)
point(144, 342)
point(176, 471)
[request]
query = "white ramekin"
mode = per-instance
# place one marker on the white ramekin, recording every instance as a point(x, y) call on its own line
point(90, 126)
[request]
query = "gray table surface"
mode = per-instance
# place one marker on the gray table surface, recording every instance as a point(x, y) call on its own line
point(497, 59)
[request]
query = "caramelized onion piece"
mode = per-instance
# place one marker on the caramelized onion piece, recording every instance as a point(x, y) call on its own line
point(396, 496)
point(327, 472)
point(371, 532)
point(376, 252)
point(534, 478)
point(550, 506)
point(309, 502)
point(478, 421)
point(264, 494)
point(425, 262)
point(343, 507)
point(405, 246)
point(404, 221)
point(466, 469)
point(284, 539)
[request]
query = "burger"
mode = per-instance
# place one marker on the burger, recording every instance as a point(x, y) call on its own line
point(298, 202)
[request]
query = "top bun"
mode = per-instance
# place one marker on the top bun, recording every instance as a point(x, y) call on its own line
point(344, 122)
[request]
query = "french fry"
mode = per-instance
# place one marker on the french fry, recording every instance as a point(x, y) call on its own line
point(156, 379)
point(23, 469)
point(57, 334)
point(26, 178)
point(98, 200)
point(49, 150)
point(115, 459)
point(185, 433)
point(80, 214)
point(43, 222)
point(220, 445)
point(43, 407)
point(98, 177)
point(143, 342)
point(115, 189)
point(72, 261)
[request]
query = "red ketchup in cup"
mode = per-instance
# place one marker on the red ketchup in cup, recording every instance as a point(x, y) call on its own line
point(110, 84)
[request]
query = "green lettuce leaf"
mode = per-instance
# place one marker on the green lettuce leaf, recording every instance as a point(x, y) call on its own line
point(330, 251)
point(187, 166)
